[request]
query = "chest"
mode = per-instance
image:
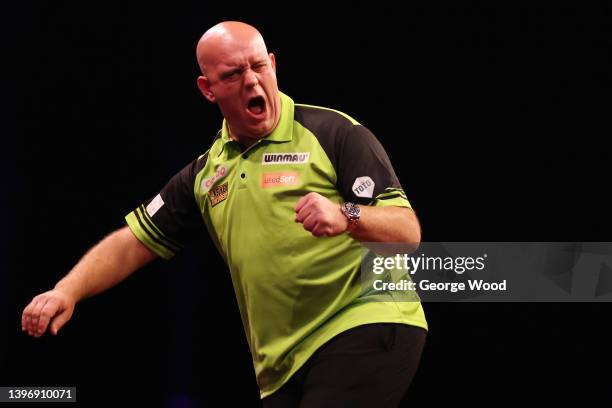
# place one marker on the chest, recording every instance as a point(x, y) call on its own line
point(263, 183)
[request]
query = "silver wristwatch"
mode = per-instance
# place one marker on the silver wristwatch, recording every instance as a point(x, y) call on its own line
point(353, 213)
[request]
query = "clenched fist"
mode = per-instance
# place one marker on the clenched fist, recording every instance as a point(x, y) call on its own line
point(320, 216)
point(53, 307)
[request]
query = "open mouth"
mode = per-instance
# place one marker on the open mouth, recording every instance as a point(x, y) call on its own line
point(256, 105)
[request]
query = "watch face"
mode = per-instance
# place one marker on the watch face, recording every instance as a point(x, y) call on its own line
point(352, 210)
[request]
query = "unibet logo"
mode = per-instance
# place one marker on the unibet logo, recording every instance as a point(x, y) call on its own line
point(363, 187)
point(280, 158)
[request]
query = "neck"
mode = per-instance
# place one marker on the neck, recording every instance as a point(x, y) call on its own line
point(244, 142)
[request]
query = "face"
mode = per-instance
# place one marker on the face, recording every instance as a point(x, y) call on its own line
point(241, 79)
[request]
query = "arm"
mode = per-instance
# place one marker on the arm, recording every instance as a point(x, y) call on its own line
point(154, 229)
point(366, 177)
point(387, 224)
point(377, 224)
point(109, 262)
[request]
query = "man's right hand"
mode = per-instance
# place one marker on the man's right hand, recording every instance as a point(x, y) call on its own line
point(54, 306)
point(106, 264)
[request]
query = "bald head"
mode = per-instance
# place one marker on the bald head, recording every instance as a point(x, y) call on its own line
point(239, 75)
point(223, 39)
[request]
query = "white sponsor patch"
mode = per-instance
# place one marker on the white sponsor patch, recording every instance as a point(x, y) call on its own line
point(284, 158)
point(155, 205)
point(363, 187)
point(207, 183)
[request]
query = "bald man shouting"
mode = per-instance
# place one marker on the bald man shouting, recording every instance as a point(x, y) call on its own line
point(287, 192)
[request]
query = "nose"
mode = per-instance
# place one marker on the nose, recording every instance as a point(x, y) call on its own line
point(250, 78)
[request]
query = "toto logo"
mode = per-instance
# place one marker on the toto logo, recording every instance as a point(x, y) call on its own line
point(363, 187)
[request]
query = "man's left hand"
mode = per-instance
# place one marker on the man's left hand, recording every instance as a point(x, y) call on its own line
point(320, 216)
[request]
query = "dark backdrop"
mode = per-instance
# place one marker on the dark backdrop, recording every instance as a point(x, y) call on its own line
point(494, 119)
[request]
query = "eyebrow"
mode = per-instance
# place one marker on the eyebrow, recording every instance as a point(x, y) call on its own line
point(239, 69)
point(230, 72)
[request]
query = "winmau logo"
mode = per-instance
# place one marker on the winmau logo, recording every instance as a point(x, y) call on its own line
point(280, 158)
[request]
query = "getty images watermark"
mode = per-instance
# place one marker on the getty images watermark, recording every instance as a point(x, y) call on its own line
point(489, 271)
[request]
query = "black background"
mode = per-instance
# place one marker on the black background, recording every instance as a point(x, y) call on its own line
point(494, 118)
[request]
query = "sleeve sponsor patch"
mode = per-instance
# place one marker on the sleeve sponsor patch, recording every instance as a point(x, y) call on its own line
point(155, 205)
point(363, 187)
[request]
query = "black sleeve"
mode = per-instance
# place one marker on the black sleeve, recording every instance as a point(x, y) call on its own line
point(364, 171)
point(171, 219)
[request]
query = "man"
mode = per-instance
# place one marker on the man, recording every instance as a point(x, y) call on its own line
point(286, 192)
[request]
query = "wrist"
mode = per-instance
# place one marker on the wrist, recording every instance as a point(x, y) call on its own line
point(352, 212)
point(68, 290)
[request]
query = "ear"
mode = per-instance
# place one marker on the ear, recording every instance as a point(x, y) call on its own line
point(204, 86)
point(272, 61)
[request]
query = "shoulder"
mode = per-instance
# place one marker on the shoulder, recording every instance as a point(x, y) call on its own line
point(214, 148)
point(190, 171)
point(324, 121)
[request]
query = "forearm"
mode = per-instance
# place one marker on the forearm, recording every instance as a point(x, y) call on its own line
point(388, 224)
point(105, 265)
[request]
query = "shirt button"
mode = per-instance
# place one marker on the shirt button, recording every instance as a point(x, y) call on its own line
point(243, 175)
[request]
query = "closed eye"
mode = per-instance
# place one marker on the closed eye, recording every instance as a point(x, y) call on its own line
point(233, 74)
point(258, 67)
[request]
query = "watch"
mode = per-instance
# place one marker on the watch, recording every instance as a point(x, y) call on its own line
point(352, 212)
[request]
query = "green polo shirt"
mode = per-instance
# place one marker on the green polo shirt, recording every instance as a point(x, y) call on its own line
point(295, 291)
